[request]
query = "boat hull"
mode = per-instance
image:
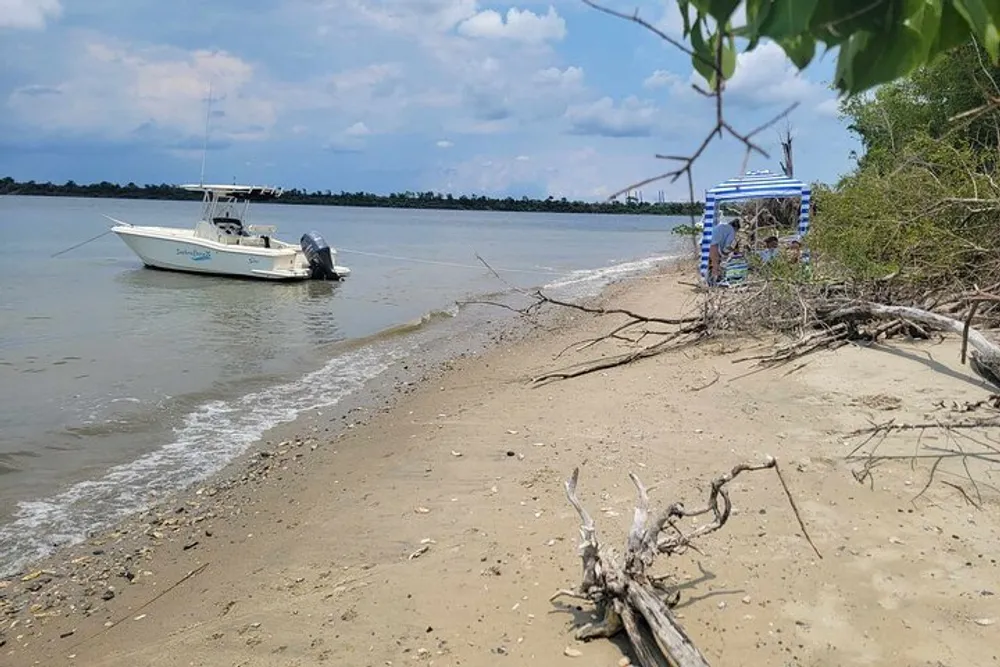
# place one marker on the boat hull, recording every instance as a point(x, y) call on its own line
point(194, 255)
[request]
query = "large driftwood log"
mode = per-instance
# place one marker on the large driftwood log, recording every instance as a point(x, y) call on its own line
point(625, 595)
point(984, 359)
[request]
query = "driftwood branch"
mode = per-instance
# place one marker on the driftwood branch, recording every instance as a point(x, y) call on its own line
point(971, 441)
point(984, 359)
point(625, 595)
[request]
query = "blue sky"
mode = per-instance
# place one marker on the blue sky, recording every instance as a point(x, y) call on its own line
point(464, 96)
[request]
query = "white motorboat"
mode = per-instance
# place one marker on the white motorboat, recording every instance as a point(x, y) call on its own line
point(224, 243)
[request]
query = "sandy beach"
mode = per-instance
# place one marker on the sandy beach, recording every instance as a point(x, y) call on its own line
point(434, 530)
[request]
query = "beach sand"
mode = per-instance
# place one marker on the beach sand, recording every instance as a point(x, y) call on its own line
point(434, 532)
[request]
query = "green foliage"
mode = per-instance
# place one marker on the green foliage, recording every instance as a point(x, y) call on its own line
point(923, 203)
point(422, 200)
point(876, 41)
point(927, 103)
point(925, 220)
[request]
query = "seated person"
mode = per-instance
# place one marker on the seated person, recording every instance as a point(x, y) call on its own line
point(794, 249)
point(722, 245)
point(770, 250)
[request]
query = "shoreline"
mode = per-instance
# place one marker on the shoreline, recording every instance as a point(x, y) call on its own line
point(395, 354)
point(71, 571)
point(436, 528)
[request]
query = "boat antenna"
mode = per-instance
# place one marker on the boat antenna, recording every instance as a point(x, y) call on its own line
point(204, 149)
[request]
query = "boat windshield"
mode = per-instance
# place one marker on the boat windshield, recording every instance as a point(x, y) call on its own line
point(228, 213)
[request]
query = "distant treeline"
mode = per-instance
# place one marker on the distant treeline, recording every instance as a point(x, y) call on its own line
point(433, 200)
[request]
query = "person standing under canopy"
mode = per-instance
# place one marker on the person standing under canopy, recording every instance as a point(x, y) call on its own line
point(722, 245)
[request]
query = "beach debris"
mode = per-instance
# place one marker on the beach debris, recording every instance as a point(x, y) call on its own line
point(570, 652)
point(985, 621)
point(422, 510)
point(419, 552)
point(455, 454)
point(625, 595)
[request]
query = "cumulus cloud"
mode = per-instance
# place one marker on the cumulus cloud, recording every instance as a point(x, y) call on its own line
point(829, 108)
point(563, 78)
point(520, 25)
point(477, 95)
point(632, 118)
point(766, 76)
point(350, 139)
point(359, 129)
point(28, 14)
point(587, 172)
point(376, 79)
point(118, 92)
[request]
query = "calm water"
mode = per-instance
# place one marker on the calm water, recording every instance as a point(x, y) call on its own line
point(118, 382)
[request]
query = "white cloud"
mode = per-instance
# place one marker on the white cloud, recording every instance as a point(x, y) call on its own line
point(521, 25)
point(765, 77)
point(829, 108)
point(444, 143)
point(553, 76)
point(420, 17)
point(117, 93)
point(575, 173)
point(359, 129)
point(28, 14)
point(370, 79)
point(632, 118)
point(462, 67)
point(662, 79)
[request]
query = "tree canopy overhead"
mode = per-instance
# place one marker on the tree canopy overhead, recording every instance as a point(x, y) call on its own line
point(877, 41)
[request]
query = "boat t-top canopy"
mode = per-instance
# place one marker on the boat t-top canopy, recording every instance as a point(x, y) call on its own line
point(242, 192)
point(753, 185)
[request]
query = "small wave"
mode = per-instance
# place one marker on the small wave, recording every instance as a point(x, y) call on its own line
point(393, 332)
point(209, 437)
point(590, 282)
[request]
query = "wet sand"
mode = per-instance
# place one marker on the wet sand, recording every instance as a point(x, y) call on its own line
point(433, 530)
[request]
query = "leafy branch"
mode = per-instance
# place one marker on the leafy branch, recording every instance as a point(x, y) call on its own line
point(877, 41)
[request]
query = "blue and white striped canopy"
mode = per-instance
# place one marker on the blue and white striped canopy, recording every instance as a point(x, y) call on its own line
point(757, 185)
point(753, 185)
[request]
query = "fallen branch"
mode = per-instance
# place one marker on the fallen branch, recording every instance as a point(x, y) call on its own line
point(984, 359)
point(625, 595)
point(956, 431)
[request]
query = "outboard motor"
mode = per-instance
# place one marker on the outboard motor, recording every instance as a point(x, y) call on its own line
point(318, 253)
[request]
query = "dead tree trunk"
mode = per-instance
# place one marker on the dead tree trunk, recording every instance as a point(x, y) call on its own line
point(984, 359)
point(625, 595)
point(786, 150)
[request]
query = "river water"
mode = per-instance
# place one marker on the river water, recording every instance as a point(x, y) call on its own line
point(119, 384)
